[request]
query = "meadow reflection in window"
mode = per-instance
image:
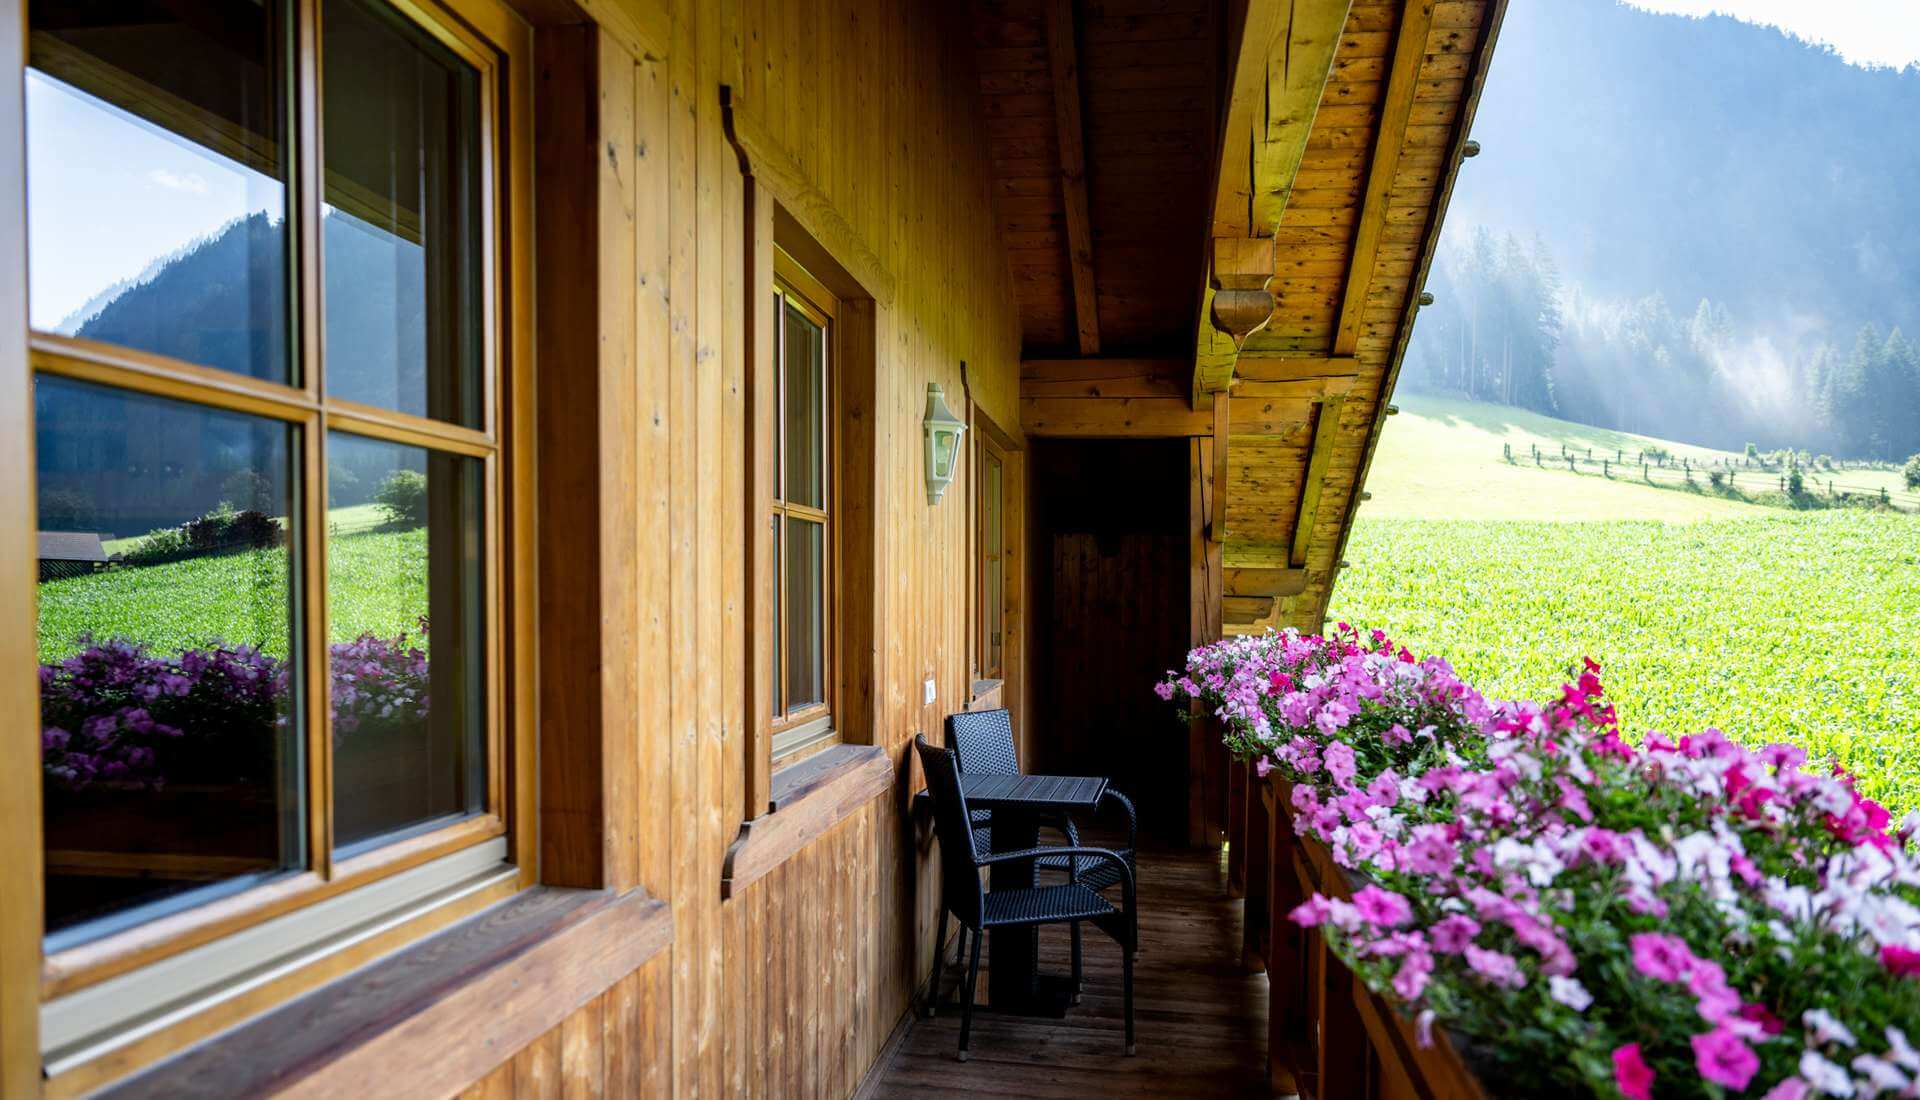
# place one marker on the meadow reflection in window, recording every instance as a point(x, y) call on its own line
point(170, 761)
point(401, 231)
point(406, 610)
point(156, 169)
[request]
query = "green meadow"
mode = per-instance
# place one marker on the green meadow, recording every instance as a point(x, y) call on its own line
point(1766, 623)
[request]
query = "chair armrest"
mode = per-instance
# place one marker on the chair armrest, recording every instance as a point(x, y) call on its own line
point(1126, 804)
point(1097, 854)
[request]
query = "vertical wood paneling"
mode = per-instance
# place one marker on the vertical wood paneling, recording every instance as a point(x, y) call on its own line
point(790, 988)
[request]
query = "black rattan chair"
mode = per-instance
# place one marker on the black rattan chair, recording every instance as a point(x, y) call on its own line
point(984, 741)
point(978, 909)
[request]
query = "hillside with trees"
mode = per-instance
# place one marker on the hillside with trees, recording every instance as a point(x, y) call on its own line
point(1719, 250)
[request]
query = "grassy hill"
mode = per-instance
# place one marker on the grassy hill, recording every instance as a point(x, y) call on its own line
point(377, 578)
point(1442, 458)
point(1768, 623)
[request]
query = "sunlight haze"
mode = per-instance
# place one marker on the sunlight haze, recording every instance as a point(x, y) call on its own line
point(1865, 32)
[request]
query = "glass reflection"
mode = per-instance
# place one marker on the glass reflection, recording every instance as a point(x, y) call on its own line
point(156, 161)
point(805, 367)
point(806, 663)
point(407, 621)
point(401, 224)
point(170, 763)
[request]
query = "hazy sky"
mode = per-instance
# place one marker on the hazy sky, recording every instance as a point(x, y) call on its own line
point(1865, 32)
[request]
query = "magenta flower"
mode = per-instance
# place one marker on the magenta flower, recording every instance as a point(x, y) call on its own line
point(1631, 1073)
point(1724, 1058)
point(1900, 961)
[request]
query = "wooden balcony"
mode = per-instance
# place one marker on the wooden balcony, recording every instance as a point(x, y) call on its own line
point(1201, 1015)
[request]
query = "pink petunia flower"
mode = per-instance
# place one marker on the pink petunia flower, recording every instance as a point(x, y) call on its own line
point(1382, 908)
point(1452, 934)
point(1496, 967)
point(1724, 1058)
point(1791, 1088)
point(1660, 956)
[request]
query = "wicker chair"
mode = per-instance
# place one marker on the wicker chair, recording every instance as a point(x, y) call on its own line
point(978, 909)
point(984, 741)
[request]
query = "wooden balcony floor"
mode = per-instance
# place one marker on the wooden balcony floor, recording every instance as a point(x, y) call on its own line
point(1201, 1021)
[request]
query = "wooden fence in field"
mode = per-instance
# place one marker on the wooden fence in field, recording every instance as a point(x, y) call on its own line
point(1734, 475)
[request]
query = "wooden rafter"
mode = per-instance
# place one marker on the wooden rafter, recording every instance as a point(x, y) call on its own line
point(1326, 428)
point(1410, 46)
point(1063, 58)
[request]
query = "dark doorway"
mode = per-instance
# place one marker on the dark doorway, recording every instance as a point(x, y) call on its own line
point(1109, 555)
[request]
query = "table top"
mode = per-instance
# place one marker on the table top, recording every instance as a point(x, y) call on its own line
point(985, 791)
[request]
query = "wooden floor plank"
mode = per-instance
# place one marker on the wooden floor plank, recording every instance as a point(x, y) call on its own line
point(1201, 1021)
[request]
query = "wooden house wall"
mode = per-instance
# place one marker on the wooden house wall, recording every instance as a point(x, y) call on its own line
point(791, 987)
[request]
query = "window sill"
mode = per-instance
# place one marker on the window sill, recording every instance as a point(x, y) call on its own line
point(808, 799)
point(500, 979)
point(987, 695)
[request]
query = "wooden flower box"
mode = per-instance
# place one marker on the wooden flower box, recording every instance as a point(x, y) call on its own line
point(1328, 1034)
point(104, 842)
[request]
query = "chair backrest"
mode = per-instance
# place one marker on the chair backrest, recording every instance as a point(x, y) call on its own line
point(984, 740)
point(953, 828)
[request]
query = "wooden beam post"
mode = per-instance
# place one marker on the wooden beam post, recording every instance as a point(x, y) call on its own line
point(1238, 305)
point(1222, 422)
point(1064, 59)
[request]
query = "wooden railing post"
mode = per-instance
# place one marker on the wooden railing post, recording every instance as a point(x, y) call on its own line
point(1237, 794)
point(1257, 839)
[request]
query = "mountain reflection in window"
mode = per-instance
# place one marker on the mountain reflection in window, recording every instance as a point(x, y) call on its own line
point(156, 168)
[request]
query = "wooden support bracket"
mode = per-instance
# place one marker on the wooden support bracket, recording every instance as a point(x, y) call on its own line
point(1326, 428)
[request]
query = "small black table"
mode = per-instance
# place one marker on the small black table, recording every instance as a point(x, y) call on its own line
point(1014, 982)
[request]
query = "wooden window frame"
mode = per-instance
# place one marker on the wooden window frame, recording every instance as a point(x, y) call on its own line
point(792, 733)
point(498, 43)
point(986, 620)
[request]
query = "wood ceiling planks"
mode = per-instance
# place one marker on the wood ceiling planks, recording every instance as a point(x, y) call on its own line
point(1143, 70)
point(1353, 225)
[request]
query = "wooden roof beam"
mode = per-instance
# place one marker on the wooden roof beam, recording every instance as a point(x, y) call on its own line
point(1288, 419)
point(1281, 61)
point(1064, 60)
point(1410, 46)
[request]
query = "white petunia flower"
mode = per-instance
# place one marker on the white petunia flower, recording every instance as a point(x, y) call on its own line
point(1826, 1029)
point(1569, 992)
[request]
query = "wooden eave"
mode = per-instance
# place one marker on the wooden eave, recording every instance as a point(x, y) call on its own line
point(1335, 130)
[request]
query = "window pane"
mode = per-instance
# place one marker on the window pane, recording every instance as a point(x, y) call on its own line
point(805, 403)
point(990, 543)
point(156, 168)
point(170, 758)
point(401, 226)
point(407, 632)
point(806, 659)
point(779, 701)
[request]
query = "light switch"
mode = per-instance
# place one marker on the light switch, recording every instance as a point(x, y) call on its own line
point(927, 692)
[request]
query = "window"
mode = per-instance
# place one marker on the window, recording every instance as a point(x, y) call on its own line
point(803, 506)
point(268, 406)
point(990, 537)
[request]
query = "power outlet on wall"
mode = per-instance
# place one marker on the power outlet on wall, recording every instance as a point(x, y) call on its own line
point(926, 692)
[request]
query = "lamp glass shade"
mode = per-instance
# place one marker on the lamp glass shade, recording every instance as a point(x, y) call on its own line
point(943, 430)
